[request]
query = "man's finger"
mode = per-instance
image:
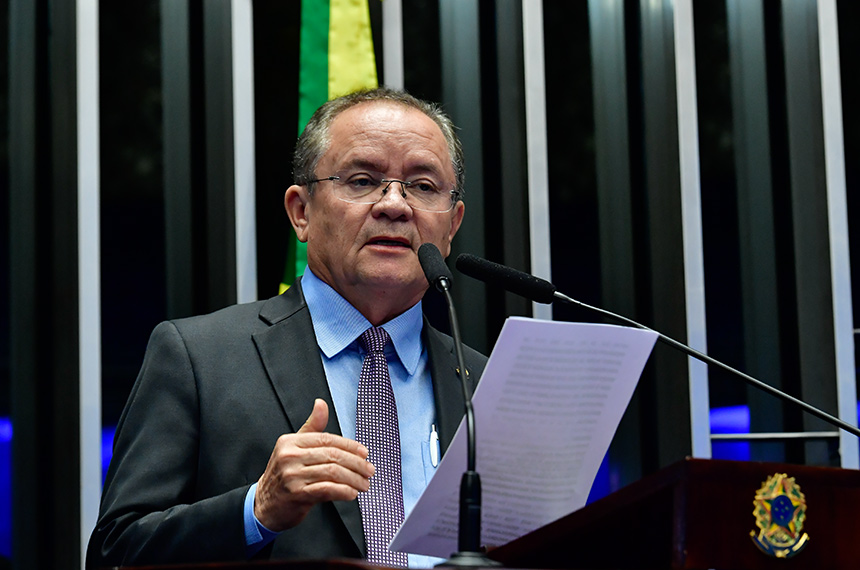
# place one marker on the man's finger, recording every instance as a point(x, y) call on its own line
point(318, 419)
point(352, 456)
point(333, 474)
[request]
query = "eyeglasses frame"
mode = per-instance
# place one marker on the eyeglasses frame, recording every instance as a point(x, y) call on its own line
point(455, 194)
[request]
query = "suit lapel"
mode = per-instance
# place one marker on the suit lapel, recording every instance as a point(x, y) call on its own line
point(290, 354)
point(447, 389)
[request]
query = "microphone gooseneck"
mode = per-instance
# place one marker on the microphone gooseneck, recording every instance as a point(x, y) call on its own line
point(536, 289)
point(439, 275)
point(469, 529)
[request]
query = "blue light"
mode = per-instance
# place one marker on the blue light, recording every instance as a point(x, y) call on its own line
point(107, 448)
point(602, 484)
point(733, 419)
point(5, 487)
point(6, 478)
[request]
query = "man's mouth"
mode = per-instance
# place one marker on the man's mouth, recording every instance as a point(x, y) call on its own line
point(389, 242)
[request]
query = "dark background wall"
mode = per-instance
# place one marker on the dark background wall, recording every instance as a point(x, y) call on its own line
point(613, 190)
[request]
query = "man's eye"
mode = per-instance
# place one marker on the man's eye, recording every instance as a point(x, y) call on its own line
point(363, 182)
point(424, 186)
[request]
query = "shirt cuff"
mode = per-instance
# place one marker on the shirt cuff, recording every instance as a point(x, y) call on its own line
point(256, 535)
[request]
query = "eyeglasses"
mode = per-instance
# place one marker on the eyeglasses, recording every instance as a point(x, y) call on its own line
point(421, 194)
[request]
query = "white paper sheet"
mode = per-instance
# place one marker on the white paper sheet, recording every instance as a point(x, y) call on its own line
point(546, 409)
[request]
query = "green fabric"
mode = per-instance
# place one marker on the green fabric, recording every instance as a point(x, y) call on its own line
point(301, 258)
point(313, 92)
point(313, 58)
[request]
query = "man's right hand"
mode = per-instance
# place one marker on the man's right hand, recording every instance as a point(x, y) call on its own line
point(309, 467)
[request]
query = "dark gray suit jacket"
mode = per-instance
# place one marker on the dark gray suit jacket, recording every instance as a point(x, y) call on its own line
point(213, 395)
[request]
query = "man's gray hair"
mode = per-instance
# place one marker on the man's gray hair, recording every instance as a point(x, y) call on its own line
point(316, 138)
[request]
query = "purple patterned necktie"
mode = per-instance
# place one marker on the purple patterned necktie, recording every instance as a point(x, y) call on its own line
point(376, 427)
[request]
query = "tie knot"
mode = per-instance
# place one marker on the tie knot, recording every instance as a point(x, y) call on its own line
point(374, 339)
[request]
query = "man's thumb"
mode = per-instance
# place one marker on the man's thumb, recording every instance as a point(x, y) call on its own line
point(318, 419)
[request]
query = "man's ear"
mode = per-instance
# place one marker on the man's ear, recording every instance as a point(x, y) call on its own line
point(296, 204)
point(456, 220)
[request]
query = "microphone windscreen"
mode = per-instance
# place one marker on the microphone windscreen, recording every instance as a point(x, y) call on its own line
point(524, 284)
point(433, 265)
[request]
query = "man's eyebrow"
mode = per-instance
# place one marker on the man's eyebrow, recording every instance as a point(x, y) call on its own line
point(426, 168)
point(376, 167)
point(364, 163)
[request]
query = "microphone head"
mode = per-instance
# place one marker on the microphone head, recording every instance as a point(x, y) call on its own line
point(523, 284)
point(434, 267)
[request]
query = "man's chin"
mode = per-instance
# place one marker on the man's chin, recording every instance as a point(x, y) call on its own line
point(398, 282)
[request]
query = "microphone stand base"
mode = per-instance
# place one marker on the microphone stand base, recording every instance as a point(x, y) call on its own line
point(469, 560)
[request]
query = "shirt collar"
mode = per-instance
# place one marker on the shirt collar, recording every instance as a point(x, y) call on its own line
point(337, 323)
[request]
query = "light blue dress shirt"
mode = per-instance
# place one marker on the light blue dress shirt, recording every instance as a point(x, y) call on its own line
point(337, 325)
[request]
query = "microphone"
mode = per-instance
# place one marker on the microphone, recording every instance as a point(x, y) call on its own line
point(469, 528)
point(523, 284)
point(434, 267)
point(542, 291)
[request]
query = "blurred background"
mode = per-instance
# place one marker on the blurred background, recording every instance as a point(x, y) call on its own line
point(691, 164)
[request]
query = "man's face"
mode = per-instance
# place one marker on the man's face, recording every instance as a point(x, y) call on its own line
point(368, 252)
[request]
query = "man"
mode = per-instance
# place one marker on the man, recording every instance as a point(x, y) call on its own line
point(238, 439)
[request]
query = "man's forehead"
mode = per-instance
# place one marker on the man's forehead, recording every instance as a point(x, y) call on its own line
point(382, 114)
point(355, 130)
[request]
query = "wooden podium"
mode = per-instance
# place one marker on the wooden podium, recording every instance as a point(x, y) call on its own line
point(698, 514)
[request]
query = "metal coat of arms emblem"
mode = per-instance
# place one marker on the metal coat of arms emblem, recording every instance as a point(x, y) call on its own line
point(780, 511)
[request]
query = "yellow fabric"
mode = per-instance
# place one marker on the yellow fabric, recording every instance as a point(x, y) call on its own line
point(351, 63)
